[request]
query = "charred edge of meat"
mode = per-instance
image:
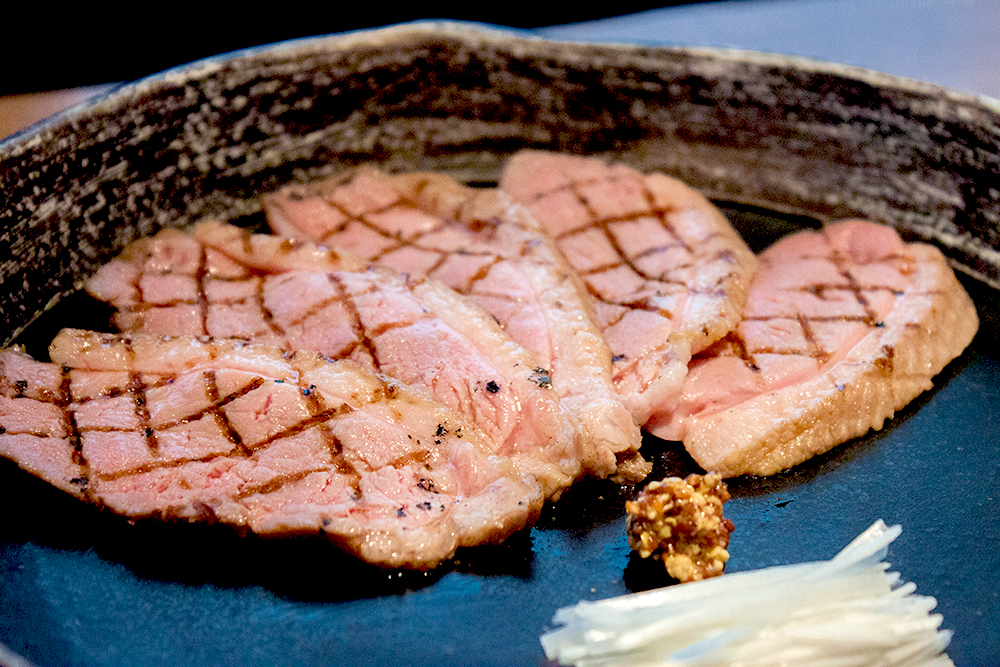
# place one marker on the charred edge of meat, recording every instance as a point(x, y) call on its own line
point(479, 225)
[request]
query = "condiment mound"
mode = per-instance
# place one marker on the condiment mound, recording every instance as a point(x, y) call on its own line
point(681, 523)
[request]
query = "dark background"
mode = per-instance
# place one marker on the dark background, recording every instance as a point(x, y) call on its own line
point(45, 46)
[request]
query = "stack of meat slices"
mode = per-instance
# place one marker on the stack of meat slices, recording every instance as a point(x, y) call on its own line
point(841, 327)
point(666, 271)
point(223, 282)
point(480, 245)
point(501, 344)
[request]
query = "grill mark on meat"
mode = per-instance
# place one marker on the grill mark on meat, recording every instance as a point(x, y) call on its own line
point(315, 419)
point(114, 392)
point(819, 290)
point(217, 403)
point(266, 313)
point(878, 322)
point(276, 484)
point(644, 304)
point(739, 348)
point(654, 210)
point(207, 472)
point(480, 274)
point(137, 388)
point(615, 320)
point(661, 214)
point(667, 272)
point(400, 243)
point(652, 252)
point(200, 274)
point(389, 326)
point(362, 339)
point(841, 263)
point(360, 219)
point(441, 256)
point(321, 416)
point(159, 465)
point(484, 247)
point(63, 401)
point(814, 350)
point(658, 212)
point(441, 259)
point(604, 225)
point(357, 332)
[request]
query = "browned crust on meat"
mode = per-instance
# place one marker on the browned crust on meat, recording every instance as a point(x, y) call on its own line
point(890, 367)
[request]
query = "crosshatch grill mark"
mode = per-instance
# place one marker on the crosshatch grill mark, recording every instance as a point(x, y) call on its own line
point(63, 400)
point(397, 241)
point(813, 348)
point(137, 388)
point(320, 416)
point(604, 225)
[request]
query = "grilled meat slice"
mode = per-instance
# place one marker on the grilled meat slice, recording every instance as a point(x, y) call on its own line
point(281, 443)
point(842, 328)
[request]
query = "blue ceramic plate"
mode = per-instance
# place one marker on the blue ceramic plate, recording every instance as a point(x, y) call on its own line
point(779, 143)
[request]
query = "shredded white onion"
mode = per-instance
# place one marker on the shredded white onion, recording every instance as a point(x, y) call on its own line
point(845, 612)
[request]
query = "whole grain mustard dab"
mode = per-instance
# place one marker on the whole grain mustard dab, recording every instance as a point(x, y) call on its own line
point(680, 522)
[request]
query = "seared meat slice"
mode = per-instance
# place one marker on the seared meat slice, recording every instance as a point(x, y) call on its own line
point(249, 435)
point(417, 331)
point(668, 273)
point(842, 327)
point(164, 284)
point(478, 243)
